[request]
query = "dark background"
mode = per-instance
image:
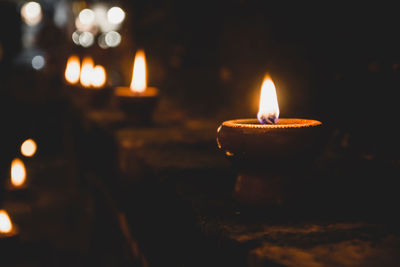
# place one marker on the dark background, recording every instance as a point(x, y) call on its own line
point(333, 62)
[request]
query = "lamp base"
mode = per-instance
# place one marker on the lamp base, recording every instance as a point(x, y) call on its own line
point(138, 108)
point(259, 190)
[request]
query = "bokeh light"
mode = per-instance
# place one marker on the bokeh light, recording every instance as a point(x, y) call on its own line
point(18, 172)
point(38, 62)
point(86, 16)
point(28, 148)
point(5, 222)
point(115, 15)
point(31, 13)
point(112, 39)
point(86, 39)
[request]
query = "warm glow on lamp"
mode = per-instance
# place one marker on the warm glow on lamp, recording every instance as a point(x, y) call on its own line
point(139, 83)
point(5, 222)
point(73, 69)
point(268, 111)
point(18, 173)
point(99, 76)
point(87, 72)
point(28, 148)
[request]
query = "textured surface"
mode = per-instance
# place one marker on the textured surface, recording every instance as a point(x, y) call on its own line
point(175, 190)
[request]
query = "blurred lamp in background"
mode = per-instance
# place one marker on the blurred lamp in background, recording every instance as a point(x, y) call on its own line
point(139, 75)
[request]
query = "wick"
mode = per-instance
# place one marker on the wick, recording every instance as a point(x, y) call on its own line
point(267, 118)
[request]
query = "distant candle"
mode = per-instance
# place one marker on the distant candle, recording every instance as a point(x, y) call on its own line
point(139, 75)
point(8, 231)
point(5, 222)
point(138, 100)
point(73, 70)
point(18, 173)
point(86, 76)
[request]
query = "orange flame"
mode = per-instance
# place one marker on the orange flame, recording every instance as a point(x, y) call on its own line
point(5, 222)
point(268, 111)
point(73, 69)
point(87, 71)
point(99, 76)
point(139, 83)
point(18, 173)
point(28, 148)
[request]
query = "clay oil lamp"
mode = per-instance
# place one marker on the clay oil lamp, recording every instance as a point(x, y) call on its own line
point(267, 151)
point(87, 82)
point(138, 101)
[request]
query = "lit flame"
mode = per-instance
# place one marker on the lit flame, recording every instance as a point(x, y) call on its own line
point(99, 76)
point(28, 148)
point(139, 84)
point(87, 72)
point(73, 69)
point(18, 174)
point(268, 111)
point(5, 222)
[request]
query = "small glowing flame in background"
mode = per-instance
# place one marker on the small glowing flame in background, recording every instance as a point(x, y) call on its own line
point(18, 174)
point(73, 70)
point(87, 72)
point(268, 111)
point(99, 76)
point(89, 75)
point(28, 148)
point(139, 84)
point(31, 13)
point(5, 222)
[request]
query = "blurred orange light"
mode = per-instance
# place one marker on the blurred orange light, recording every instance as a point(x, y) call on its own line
point(5, 222)
point(73, 69)
point(87, 72)
point(139, 83)
point(99, 76)
point(28, 148)
point(18, 173)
